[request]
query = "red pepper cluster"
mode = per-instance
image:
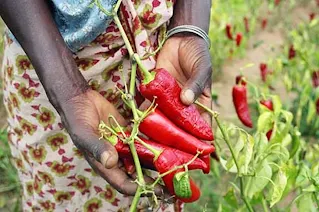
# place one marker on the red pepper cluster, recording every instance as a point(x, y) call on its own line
point(239, 35)
point(176, 131)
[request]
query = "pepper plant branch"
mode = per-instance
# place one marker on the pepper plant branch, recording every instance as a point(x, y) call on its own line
point(130, 50)
point(226, 138)
point(132, 91)
point(134, 132)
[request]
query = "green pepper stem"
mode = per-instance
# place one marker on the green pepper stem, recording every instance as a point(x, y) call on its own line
point(146, 74)
point(226, 138)
point(132, 91)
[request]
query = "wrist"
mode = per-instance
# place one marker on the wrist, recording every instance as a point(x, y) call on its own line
point(190, 12)
point(189, 31)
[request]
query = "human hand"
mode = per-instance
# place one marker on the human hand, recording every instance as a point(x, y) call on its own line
point(187, 58)
point(81, 116)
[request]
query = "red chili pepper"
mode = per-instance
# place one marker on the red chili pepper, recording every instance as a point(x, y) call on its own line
point(229, 32)
point(169, 134)
point(240, 80)
point(264, 71)
point(264, 23)
point(168, 161)
point(315, 79)
point(147, 156)
point(268, 104)
point(317, 106)
point(318, 3)
point(167, 92)
point(246, 21)
point(241, 104)
point(239, 38)
point(206, 159)
point(312, 16)
point(268, 134)
point(292, 52)
point(277, 2)
point(129, 164)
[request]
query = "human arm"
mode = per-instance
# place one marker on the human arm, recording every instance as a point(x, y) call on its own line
point(80, 108)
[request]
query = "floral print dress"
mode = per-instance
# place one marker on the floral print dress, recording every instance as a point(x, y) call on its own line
point(53, 173)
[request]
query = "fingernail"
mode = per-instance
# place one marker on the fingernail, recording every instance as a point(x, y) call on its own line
point(109, 159)
point(189, 96)
point(104, 158)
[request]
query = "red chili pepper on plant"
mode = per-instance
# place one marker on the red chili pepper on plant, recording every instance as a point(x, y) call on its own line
point(312, 16)
point(239, 38)
point(264, 71)
point(315, 79)
point(317, 106)
point(264, 23)
point(163, 159)
point(168, 161)
point(292, 52)
point(241, 104)
point(206, 160)
point(166, 90)
point(229, 32)
point(167, 133)
point(240, 80)
point(268, 104)
point(129, 164)
point(147, 156)
point(277, 2)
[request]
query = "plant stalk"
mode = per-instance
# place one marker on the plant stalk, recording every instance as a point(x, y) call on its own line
point(226, 138)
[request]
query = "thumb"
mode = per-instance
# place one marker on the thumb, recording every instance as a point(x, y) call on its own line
point(197, 64)
point(196, 84)
point(103, 151)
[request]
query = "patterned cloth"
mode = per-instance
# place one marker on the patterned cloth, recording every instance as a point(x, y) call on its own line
point(53, 173)
point(79, 23)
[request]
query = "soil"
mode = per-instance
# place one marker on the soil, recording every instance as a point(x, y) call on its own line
point(272, 41)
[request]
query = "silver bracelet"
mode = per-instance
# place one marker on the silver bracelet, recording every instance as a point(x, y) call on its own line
point(189, 28)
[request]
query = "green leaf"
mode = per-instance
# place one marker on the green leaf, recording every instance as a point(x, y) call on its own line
point(287, 82)
point(295, 144)
point(248, 152)
point(311, 112)
point(278, 188)
point(313, 23)
point(238, 147)
point(265, 122)
point(231, 198)
point(306, 204)
point(261, 143)
point(223, 162)
point(302, 177)
point(260, 181)
point(277, 104)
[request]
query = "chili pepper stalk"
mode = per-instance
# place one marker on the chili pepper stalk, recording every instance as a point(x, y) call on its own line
point(134, 133)
point(226, 138)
